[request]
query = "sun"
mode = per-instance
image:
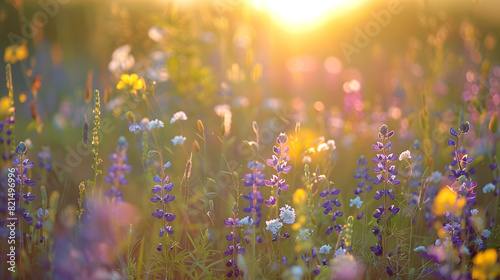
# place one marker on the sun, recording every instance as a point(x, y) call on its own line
point(299, 14)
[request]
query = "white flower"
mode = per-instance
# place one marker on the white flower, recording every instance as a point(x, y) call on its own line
point(121, 59)
point(420, 249)
point(297, 272)
point(486, 233)
point(436, 177)
point(340, 252)
point(474, 212)
point(178, 116)
point(305, 233)
point(325, 249)
point(156, 33)
point(155, 124)
point(247, 221)
point(287, 214)
point(331, 144)
point(178, 140)
point(322, 147)
point(274, 226)
point(405, 155)
point(356, 202)
point(438, 242)
point(489, 188)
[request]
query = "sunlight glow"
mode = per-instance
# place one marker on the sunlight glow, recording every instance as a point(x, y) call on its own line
point(304, 14)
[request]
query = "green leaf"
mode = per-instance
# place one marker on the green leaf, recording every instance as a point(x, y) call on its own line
point(426, 171)
point(44, 197)
point(493, 125)
point(477, 106)
point(211, 180)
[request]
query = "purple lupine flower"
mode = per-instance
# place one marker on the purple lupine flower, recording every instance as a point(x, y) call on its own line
point(460, 156)
point(117, 171)
point(27, 197)
point(254, 180)
point(161, 196)
point(236, 247)
point(363, 176)
point(329, 203)
point(230, 222)
point(386, 173)
point(45, 159)
point(41, 216)
point(21, 167)
point(279, 163)
point(377, 250)
point(271, 201)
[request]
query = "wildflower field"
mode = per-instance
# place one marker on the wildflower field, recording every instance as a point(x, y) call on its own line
point(249, 139)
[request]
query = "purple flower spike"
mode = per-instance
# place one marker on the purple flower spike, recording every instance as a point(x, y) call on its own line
point(160, 195)
point(278, 161)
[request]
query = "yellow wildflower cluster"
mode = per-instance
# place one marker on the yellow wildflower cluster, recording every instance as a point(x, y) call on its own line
point(130, 82)
point(448, 200)
point(486, 265)
point(299, 199)
point(14, 54)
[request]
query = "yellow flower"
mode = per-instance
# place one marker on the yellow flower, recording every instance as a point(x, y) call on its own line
point(15, 53)
point(485, 265)
point(130, 82)
point(299, 197)
point(448, 200)
point(300, 221)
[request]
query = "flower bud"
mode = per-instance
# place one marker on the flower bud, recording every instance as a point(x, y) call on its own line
point(21, 149)
point(383, 130)
point(464, 127)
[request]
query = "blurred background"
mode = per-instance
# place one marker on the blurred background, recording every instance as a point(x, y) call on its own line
point(317, 70)
point(293, 60)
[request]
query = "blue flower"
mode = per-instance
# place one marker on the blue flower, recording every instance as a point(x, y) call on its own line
point(325, 249)
point(117, 170)
point(155, 124)
point(488, 188)
point(356, 202)
point(178, 140)
point(134, 128)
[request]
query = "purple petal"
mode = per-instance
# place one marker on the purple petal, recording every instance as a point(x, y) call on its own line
point(157, 179)
point(287, 169)
point(451, 142)
point(453, 132)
